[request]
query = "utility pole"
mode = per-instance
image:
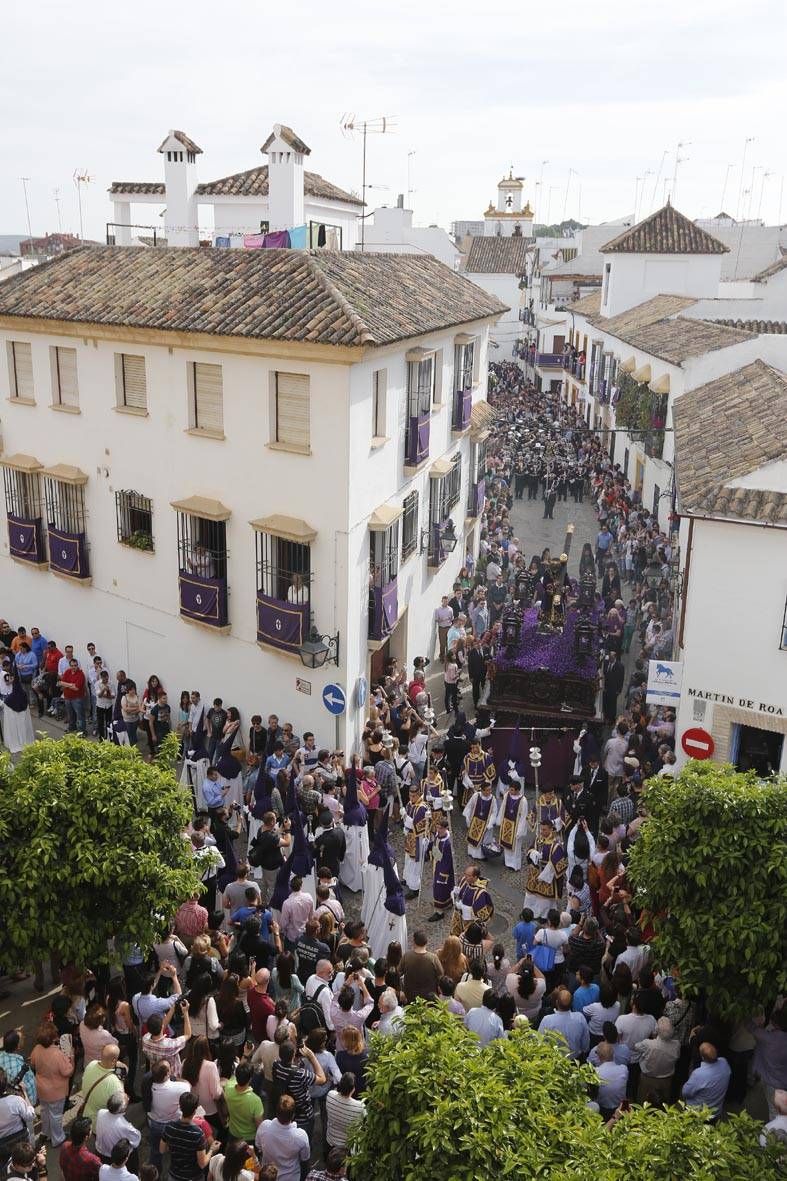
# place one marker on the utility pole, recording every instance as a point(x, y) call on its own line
point(56, 194)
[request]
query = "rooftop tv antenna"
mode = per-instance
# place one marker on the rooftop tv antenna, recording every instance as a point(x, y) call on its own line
point(381, 125)
point(80, 179)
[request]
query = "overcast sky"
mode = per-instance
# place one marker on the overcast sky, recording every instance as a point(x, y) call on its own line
point(602, 88)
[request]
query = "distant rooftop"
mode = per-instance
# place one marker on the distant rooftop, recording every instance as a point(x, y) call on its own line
point(665, 232)
point(490, 255)
point(728, 429)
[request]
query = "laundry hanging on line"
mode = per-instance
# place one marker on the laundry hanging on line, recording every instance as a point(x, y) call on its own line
point(278, 240)
point(253, 241)
point(298, 239)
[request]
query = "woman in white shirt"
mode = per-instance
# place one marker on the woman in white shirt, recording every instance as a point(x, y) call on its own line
point(556, 937)
point(606, 1008)
point(203, 1014)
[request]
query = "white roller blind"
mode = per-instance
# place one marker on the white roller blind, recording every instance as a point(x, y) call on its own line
point(208, 397)
point(22, 357)
point(67, 388)
point(135, 392)
point(292, 409)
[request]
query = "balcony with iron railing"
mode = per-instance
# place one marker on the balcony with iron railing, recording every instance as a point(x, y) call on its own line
point(549, 360)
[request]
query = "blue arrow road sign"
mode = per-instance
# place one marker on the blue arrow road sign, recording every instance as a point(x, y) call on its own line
point(333, 699)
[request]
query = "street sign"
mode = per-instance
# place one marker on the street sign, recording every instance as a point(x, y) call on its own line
point(697, 743)
point(334, 700)
point(664, 680)
point(361, 692)
point(302, 686)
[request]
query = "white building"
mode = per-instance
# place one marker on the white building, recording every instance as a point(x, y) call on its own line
point(391, 231)
point(244, 443)
point(731, 470)
point(498, 264)
point(635, 350)
point(261, 199)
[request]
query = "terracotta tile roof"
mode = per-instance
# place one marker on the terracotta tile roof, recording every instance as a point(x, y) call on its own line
point(288, 135)
point(728, 429)
point(147, 187)
point(182, 138)
point(254, 183)
point(588, 306)
point(656, 327)
point(490, 255)
point(665, 232)
point(778, 327)
point(340, 298)
point(251, 183)
point(679, 338)
point(771, 270)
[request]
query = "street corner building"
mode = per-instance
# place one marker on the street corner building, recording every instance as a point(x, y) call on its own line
point(210, 456)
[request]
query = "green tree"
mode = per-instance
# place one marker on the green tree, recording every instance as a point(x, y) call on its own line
point(439, 1107)
point(91, 848)
point(711, 867)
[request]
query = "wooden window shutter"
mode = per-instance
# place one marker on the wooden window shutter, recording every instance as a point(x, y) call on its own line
point(134, 384)
point(292, 410)
point(68, 390)
point(23, 369)
point(208, 397)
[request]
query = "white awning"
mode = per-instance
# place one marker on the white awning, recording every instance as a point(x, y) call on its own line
point(642, 375)
point(440, 467)
point(628, 366)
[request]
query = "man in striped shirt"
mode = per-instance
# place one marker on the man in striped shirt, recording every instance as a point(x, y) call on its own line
point(342, 1111)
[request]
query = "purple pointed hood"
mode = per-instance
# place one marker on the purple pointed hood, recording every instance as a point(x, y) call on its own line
point(381, 850)
point(354, 811)
point(302, 857)
point(394, 894)
point(281, 891)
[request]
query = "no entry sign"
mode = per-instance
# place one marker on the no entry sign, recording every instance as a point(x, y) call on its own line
point(697, 743)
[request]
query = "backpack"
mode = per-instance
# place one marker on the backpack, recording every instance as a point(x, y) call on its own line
point(310, 1014)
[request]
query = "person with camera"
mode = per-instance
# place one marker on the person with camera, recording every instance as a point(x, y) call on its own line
point(157, 1045)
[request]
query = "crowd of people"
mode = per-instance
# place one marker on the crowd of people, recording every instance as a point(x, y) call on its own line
point(245, 1031)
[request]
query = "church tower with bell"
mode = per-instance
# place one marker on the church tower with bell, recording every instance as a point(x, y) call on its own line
point(508, 218)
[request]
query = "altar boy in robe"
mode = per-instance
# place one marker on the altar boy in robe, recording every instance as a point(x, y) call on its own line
point(512, 818)
point(478, 767)
point(480, 817)
point(443, 879)
point(545, 876)
point(416, 821)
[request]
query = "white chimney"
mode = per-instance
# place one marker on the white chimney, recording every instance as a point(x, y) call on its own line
point(286, 152)
point(180, 219)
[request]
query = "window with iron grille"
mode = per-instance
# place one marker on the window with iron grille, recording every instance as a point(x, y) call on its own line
point(65, 505)
point(134, 518)
point(453, 482)
point(130, 381)
point(202, 546)
point(283, 569)
point(409, 525)
point(420, 385)
point(20, 370)
point(463, 366)
point(384, 554)
point(22, 493)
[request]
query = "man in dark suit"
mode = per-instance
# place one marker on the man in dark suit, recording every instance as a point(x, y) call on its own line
point(596, 783)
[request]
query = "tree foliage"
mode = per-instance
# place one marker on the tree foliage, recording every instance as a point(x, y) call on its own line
point(442, 1108)
point(91, 849)
point(711, 867)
